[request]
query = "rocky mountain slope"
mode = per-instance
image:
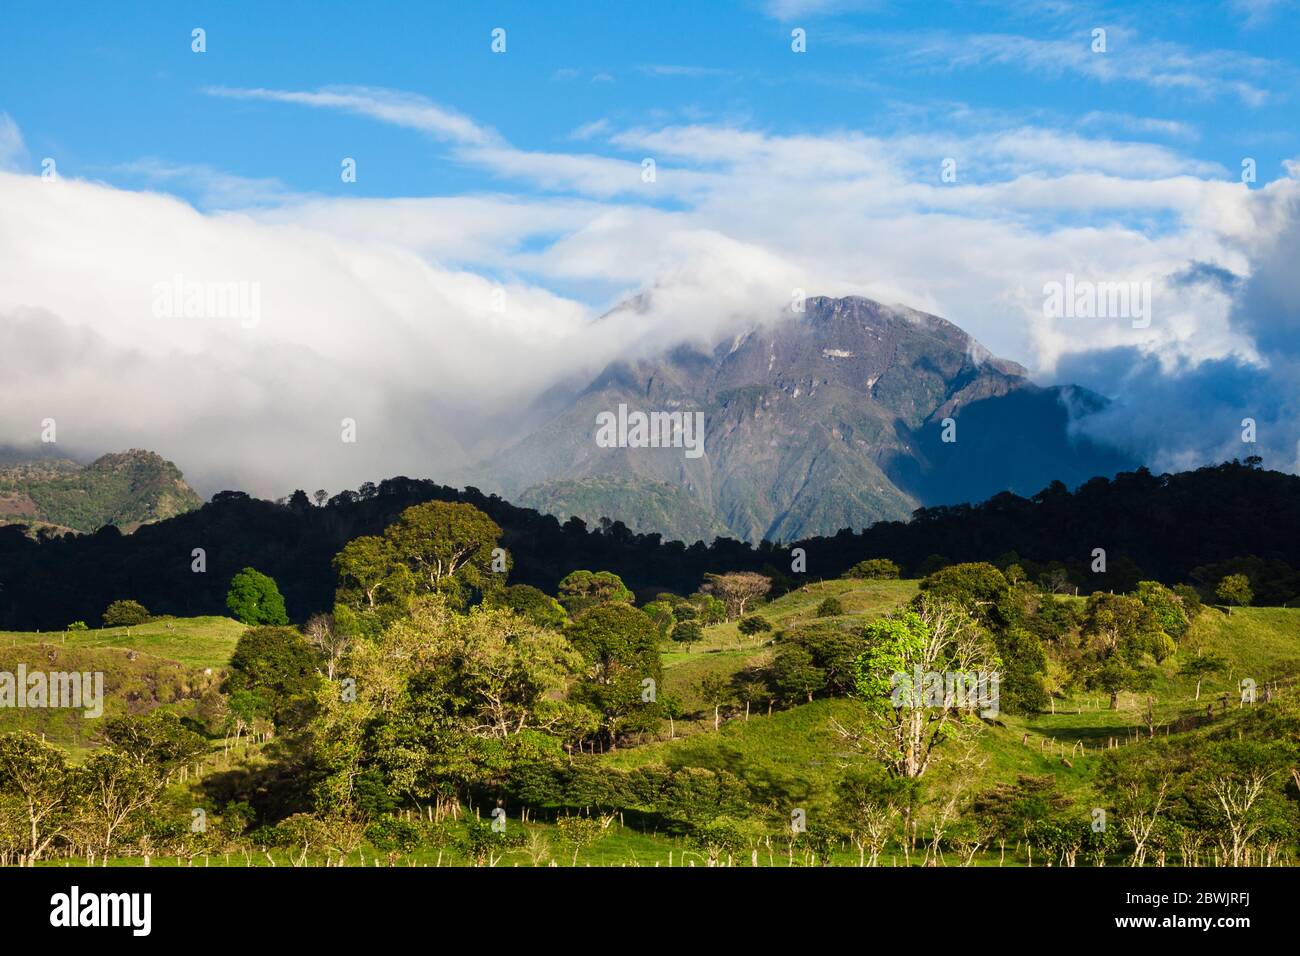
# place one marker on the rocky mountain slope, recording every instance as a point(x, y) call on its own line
point(829, 419)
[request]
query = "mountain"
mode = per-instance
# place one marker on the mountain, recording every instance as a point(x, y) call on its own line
point(829, 419)
point(126, 489)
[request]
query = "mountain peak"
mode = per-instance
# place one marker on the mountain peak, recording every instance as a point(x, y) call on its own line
point(824, 419)
point(125, 489)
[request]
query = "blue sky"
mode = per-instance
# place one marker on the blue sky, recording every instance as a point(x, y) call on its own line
point(103, 87)
point(502, 212)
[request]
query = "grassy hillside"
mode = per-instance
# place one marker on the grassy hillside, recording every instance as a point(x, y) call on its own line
point(794, 757)
point(169, 663)
point(789, 758)
point(191, 641)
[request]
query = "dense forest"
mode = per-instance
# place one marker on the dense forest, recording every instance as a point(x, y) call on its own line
point(1190, 527)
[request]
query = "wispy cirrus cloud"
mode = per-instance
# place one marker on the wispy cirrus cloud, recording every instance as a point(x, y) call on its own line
point(1162, 65)
point(389, 106)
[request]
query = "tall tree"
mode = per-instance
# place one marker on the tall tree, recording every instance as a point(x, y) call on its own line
point(933, 638)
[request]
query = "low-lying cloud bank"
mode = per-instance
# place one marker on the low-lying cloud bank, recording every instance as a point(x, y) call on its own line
point(238, 342)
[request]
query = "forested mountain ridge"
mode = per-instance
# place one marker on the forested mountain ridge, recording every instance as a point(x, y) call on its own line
point(1173, 528)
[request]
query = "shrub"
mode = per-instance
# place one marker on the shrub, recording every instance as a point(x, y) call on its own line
point(125, 614)
point(393, 834)
point(873, 569)
point(830, 607)
point(78, 626)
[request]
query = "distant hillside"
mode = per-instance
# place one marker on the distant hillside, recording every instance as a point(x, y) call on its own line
point(125, 489)
point(644, 506)
point(825, 420)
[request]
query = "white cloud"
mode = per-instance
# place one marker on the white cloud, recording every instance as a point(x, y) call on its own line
point(382, 309)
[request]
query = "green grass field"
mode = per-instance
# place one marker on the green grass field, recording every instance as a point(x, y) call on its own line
point(192, 641)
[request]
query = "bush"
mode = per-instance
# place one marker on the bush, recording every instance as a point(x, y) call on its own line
point(830, 607)
point(125, 614)
point(753, 624)
point(393, 834)
point(873, 569)
point(78, 626)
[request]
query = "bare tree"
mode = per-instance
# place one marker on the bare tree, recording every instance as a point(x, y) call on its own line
point(321, 634)
point(1238, 800)
point(736, 589)
point(1138, 809)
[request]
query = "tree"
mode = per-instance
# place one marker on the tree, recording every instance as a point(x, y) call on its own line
point(1166, 607)
point(1202, 666)
point(370, 574)
point(156, 740)
point(125, 614)
point(874, 569)
point(794, 675)
point(688, 633)
point(1234, 589)
point(737, 589)
point(447, 547)
point(581, 590)
point(35, 775)
point(1117, 631)
point(327, 640)
point(930, 637)
point(321, 497)
point(621, 646)
point(871, 803)
point(277, 666)
point(754, 625)
point(531, 603)
point(715, 690)
point(977, 587)
point(255, 599)
point(750, 686)
point(112, 789)
point(1139, 789)
point(579, 833)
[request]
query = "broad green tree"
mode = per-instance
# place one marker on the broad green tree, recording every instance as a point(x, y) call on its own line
point(255, 599)
point(1235, 589)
